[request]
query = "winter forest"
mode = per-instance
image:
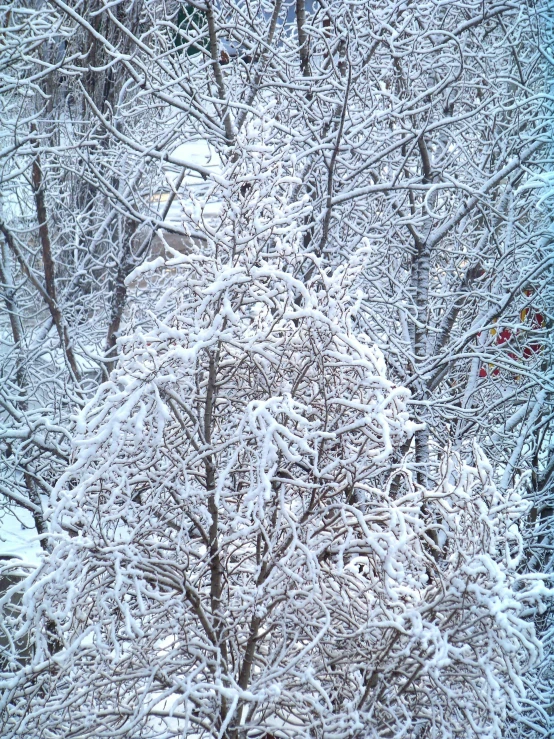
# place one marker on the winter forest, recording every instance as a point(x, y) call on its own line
point(276, 388)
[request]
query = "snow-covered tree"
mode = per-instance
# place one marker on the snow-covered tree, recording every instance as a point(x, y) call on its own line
point(227, 560)
point(414, 128)
point(376, 189)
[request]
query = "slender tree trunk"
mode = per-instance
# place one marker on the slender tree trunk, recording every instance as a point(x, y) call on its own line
point(49, 269)
point(216, 568)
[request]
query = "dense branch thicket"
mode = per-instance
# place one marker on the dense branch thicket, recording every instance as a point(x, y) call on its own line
point(244, 530)
point(232, 565)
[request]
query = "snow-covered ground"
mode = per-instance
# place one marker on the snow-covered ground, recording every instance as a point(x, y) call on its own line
point(18, 537)
point(193, 188)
